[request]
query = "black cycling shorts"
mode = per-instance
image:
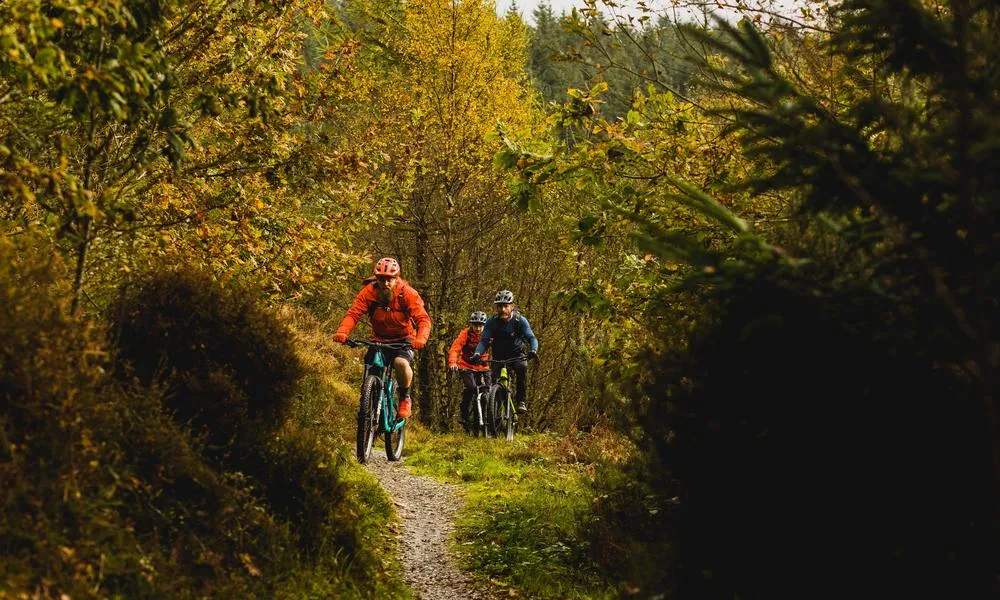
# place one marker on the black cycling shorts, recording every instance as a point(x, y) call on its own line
point(390, 354)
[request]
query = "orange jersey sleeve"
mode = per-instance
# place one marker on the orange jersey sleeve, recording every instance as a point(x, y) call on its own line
point(358, 309)
point(455, 353)
point(418, 314)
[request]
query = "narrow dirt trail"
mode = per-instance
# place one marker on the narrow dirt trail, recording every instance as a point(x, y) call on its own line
point(428, 509)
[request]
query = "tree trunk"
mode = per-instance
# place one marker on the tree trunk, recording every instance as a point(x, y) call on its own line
point(425, 397)
point(81, 263)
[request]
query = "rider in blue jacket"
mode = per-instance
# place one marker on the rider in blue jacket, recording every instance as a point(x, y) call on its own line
point(508, 332)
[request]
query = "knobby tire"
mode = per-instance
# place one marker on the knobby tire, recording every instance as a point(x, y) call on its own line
point(368, 414)
point(394, 439)
point(495, 401)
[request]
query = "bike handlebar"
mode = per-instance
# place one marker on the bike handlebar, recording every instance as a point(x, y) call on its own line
point(352, 343)
point(505, 361)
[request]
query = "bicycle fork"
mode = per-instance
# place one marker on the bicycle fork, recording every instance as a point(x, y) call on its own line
point(479, 402)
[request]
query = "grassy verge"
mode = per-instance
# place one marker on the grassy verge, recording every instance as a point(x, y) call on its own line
point(374, 571)
point(326, 406)
point(529, 508)
point(107, 493)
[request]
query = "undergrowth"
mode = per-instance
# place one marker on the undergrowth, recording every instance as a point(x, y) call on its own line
point(120, 487)
point(529, 508)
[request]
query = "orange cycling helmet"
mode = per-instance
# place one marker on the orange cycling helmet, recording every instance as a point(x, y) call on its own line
point(387, 266)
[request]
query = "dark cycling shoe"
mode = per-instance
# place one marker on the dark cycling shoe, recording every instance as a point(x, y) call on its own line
point(521, 408)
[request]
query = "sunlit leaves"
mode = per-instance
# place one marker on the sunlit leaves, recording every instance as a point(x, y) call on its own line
point(168, 122)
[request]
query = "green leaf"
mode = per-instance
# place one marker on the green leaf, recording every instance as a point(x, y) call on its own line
point(505, 159)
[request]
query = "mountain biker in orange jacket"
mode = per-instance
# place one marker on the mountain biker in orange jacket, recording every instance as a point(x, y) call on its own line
point(393, 307)
point(459, 356)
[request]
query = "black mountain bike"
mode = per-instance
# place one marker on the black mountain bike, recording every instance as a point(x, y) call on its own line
point(476, 418)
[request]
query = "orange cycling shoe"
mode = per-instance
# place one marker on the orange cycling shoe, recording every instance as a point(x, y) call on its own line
point(404, 408)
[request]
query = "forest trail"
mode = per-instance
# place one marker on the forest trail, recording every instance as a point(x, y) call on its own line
point(427, 508)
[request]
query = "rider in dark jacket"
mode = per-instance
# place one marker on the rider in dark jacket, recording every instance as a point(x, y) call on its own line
point(510, 336)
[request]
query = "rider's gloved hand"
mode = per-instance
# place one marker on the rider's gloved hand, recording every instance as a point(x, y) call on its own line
point(418, 345)
point(454, 368)
point(340, 338)
point(532, 355)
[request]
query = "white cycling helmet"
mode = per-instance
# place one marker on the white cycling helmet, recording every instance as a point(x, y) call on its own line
point(478, 317)
point(504, 297)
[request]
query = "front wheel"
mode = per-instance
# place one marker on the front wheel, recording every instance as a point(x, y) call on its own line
point(396, 432)
point(496, 398)
point(368, 414)
point(394, 442)
point(509, 419)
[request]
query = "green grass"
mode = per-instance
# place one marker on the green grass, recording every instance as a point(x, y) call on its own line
point(326, 406)
point(527, 514)
point(337, 576)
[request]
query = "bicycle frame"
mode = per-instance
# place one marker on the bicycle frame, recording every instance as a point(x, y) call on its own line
point(387, 399)
point(377, 411)
point(479, 377)
point(388, 421)
point(503, 380)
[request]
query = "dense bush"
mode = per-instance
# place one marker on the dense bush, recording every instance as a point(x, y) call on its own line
point(830, 427)
point(105, 494)
point(629, 538)
point(227, 366)
point(231, 370)
point(102, 494)
point(805, 453)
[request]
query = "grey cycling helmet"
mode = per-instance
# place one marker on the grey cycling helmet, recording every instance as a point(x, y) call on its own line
point(478, 317)
point(504, 297)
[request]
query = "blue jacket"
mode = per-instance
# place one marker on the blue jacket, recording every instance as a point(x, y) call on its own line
point(508, 337)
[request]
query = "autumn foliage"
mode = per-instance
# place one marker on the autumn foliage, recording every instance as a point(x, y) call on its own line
point(226, 366)
point(117, 486)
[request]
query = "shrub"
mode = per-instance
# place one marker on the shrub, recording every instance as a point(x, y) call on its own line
point(809, 437)
point(102, 494)
point(629, 537)
point(228, 366)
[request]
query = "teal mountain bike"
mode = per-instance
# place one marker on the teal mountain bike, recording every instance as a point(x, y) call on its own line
point(378, 407)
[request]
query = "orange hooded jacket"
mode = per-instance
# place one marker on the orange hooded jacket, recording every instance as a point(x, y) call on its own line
point(462, 350)
point(392, 322)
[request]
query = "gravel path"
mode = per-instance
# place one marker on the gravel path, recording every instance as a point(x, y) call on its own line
point(428, 509)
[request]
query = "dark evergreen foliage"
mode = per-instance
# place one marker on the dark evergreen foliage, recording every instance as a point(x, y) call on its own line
point(814, 450)
point(228, 366)
point(579, 50)
point(832, 429)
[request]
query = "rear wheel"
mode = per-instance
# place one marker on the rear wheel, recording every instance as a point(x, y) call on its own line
point(368, 414)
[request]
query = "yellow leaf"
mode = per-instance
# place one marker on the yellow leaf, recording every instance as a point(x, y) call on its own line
point(248, 563)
